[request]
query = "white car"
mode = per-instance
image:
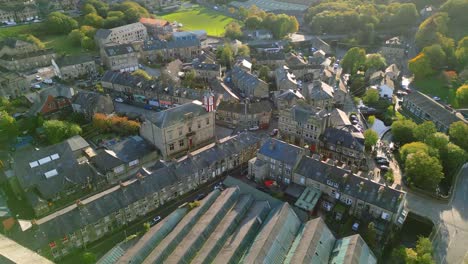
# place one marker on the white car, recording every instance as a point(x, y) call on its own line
point(38, 78)
point(254, 128)
point(436, 98)
point(119, 100)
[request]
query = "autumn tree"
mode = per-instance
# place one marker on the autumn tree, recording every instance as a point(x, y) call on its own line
point(233, 31)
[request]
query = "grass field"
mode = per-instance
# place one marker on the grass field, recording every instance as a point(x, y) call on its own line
point(201, 18)
point(435, 86)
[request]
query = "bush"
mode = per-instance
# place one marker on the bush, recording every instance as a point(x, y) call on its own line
point(389, 176)
point(117, 124)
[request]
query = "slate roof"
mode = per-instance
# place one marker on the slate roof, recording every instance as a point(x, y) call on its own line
point(73, 60)
point(344, 137)
point(246, 78)
point(129, 149)
point(350, 184)
point(176, 115)
point(281, 151)
point(20, 56)
point(95, 102)
point(433, 108)
point(338, 118)
point(152, 45)
point(121, 49)
point(60, 157)
point(319, 90)
point(302, 113)
point(125, 79)
point(252, 108)
point(290, 95)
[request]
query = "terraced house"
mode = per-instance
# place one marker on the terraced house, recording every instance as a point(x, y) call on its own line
point(121, 57)
point(19, 55)
point(123, 34)
point(87, 220)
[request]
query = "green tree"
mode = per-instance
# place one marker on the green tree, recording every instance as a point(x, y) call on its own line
point(452, 156)
point(406, 15)
point(88, 31)
point(89, 258)
point(437, 140)
point(88, 43)
point(56, 131)
point(414, 147)
point(253, 22)
point(357, 84)
point(75, 36)
point(371, 119)
point(93, 20)
point(88, 9)
point(353, 60)
point(132, 10)
point(432, 30)
point(375, 61)
point(420, 66)
point(402, 131)
point(462, 52)
point(233, 31)
point(370, 138)
point(243, 51)
point(189, 78)
point(142, 73)
point(462, 94)
point(436, 56)
point(424, 130)
point(101, 7)
point(146, 226)
point(58, 23)
point(263, 73)
point(423, 170)
point(371, 97)
point(8, 127)
point(226, 55)
point(458, 134)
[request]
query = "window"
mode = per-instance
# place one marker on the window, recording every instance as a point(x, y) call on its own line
point(199, 124)
point(189, 129)
point(171, 146)
point(180, 131)
point(169, 134)
point(181, 143)
point(208, 121)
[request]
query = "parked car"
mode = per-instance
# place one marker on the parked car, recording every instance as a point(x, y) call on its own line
point(155, 220)
point(383, 162)
point(38, 78)
point(384, 168)
point(119, 100)
point(200, 196)
point(436, 98)
point(254, 128)
point(263, 189)
point(401, 93)
point(274, 132)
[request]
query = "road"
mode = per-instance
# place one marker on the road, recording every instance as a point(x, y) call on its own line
point(450, 220)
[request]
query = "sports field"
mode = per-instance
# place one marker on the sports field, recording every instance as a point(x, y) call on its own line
point(201, 18)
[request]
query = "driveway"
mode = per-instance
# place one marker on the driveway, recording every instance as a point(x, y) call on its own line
point(450, 221)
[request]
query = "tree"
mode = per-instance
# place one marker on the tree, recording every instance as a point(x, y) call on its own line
point(423, 170)
point(88, 43)
point(424, 130)
point(353, 60)
point(420, 66)
point(370, 138)
point(89, 258)
point(431, 30)
point(461, 52)
point(406, 15)
point(243, 51)
point(93, 20)
point(253, 22)
point(371, 234)
point(57, 131)
point(233, 31)
point(101, 7)
point(413, 147)
point(371, 97)
point(89, 9)
point(189, 78)
point(264, 72)
point(75, 36)
point(58, 23)
point(146, 226)
point(436, 56)
point(33, 39)
point(402, 131)
point(142, 73)
point(371, 120)
point(88, 31)
point(462, 94)
point(226, 55)
point(452, 156)
point(375, 61)
point(437, 140)
point(132, 10)
point(357, 84)
point(8, 127)
point(458, 134)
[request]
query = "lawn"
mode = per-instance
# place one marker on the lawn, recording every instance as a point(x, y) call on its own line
point(58, 42)
point(436, 86)
point(201, 18)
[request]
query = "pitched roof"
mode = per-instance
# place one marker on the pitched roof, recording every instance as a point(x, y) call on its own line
point(319, 90)
point(350, 184)
point(177, 114)
point(73, 60)
point(302, 113)
point(39, 98)
point(339, 118)
point(95, 102)
point(240, 108)
point(290, 95)
point(54, 168)
point(281, 151)
point(343, 136)
point(120, 49)
point(430, 106)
